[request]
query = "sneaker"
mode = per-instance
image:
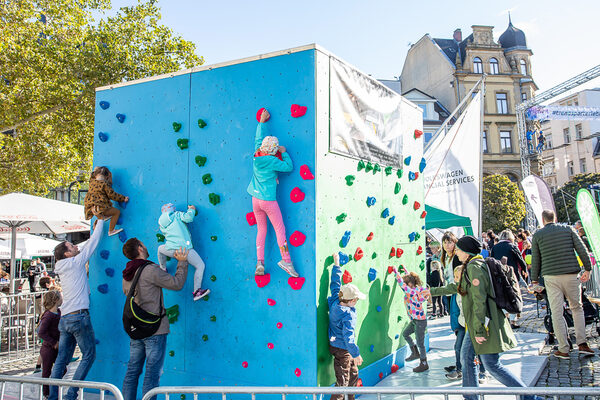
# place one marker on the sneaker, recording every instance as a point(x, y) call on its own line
point(422, 367)
point(454, 375)
point(561, 355)
point(450, 368)
point(114, 232)
point(200, 293)
point(260, 269)
point(483, 378)
point(585, 350)
point(288, 267)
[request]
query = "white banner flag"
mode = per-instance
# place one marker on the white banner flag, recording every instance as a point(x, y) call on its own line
point(538, 195)
point(452, 176)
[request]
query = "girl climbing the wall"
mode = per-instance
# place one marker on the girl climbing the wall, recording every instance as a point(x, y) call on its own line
point(269, 159)
point(97, 201)
point(173, 224)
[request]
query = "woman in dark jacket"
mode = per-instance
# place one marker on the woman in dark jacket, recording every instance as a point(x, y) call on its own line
point(507, 248)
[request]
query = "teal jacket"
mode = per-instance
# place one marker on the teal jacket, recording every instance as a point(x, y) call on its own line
point(263, 185)
point(173, 226)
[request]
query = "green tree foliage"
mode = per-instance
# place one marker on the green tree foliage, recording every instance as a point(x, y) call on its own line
point(568, 198)
point(503, 203)
point(53, 55)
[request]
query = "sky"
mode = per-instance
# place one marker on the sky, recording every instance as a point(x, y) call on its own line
point(375, 36)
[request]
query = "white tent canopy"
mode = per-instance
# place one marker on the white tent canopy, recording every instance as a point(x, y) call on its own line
point(30, 245)
point(5, 251)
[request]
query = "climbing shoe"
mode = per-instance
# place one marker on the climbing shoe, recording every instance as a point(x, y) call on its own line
point(260, 269)
point(288, 267)
point(200, 293)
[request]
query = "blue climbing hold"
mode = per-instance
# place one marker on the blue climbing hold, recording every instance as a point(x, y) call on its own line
point(378, 308)
point(120, 220)
point(385, 213)
point(102, 136)
point(103, 288)
point(396, 337)
point(370, 201)
point(104, 104)
point(392, 220)
point(345, 239)
point(411, 176)
point(110, 272)
point(97, 341)
point(407, 161)
point(104, 254)
point(123, 204)
point(422, 165)
point(343, 258)
point(122, 236)
point(372, 274)
point(412, 236)
point(372, 348)
point(121, 118)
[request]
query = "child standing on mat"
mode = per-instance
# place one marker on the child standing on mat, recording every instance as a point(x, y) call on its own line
point(49, 333)
point(97, 201)
point(177, 235)
point(269, 159)
point(414, 297)
point(342, 325)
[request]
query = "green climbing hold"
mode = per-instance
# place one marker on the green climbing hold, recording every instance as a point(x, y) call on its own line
point(397, 188)
point(168, 258)
point(206, 179)
point(349, 257)
point(182, 397)
point(171, 353)
point(176, 126)
point(399, 318)
point(341, 218)
point(200, 160)
point(214, 199)
point(376, 168)
point(350, 180)
point(388, 171)
point(205, 338)
point(160, 237)
point(422, 265)
point(399, 173)
point(201, 123)
point(386, 288)
point(183, 143)
point(213, 238)
point(361, 165)
point(172, 313)
point(417, 236)
point(374, 256)
point(405, 199)
point(213, 278)
point(213, 318)
point(205, 298)
point(195, 213)
point(369, 167)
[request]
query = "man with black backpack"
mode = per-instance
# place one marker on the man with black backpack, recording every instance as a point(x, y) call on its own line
point(143, 282)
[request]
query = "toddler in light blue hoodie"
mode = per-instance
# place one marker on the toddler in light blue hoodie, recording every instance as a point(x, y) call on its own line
point(173, 225)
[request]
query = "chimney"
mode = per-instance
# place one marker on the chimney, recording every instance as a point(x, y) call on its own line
point(458, 35)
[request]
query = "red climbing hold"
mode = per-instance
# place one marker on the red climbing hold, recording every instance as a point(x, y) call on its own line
point(418, 133)
point(358, 254)
point(416, 175)
point(423, 214)
point(419, 250)
point(347, 278)
point(395, 368)
point(298, 372)
point(296, 283)
point(279, 325)
point(258, 114)
point(262, 280)
point(251, 218)
point(245, 364)
point(390, 269)
point(296, 195)
point(271, 302)
point(270, 345)
point(381, 375)
point(370, 237)
point(298, 111)
point(359, 383)
point(417, 205)
point(305, 173)
point(297, 238)
point(399, 252)
point(392, 252)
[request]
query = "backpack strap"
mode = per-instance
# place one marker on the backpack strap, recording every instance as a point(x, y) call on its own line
point(162, 312)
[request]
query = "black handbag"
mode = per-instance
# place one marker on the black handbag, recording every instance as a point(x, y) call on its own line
point(139, 323)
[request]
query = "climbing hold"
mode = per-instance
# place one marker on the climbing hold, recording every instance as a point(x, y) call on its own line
point(297, 110)
point(214, 199)
point(392, 252)
point(168, 258)
point(405, 199)
point(182, 143)
point(372, 274)
point(370, 201)
point(423, 214)
point(270, 345)
point(176, 126)
point(343, 258)
point(422, 265)
point(394, 368)
point(123, 205)
point(109, 272)
point(407, 161)
point(205, 338)
point(173, 312)
point(340, 218)
point(350, 180)
point(104, 104)
point(213, 318)
point(122, 236)
point(388, 171)
point(245, 364)
point(201, 123)
point(391, 269)
point(417, 236)
point(399, 173)
point(171, 353)
point(160, 237)
point(262, 280)
point(213, 238)
point(416, 175)
point(296, 195)
point(251, 218)
point(412, 236)
point(305, 173)
point(104, 254)
point(419, 250)
point(418, 133)
point(392, 220)
point(385, 213)
point(381, 375)
point(279, 325)
point(376, 168)
point(374, 255)
point(359, 382)
point(205, 298)
point(370, 237)
point(399, 318)
point(358, 254)
point(297, 372)
point(297, 238)
point(416, 205)
point(361, 165)
point(347, 277)
point(345, 239)
point(102, 136)
point(103, 288)
point(206, 179)
point(121, 117)
point(259, 113)
point(200, 160)
point(213, 278)
point(412, 176)
point(195, 213)
point(397, 188)
point(271, 302)
point(399, 252)
point(369, 166)
point(296, 283)
point(422, 165)
point(378, 308)
point(397, 336)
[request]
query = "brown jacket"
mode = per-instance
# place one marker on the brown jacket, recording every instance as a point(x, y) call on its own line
point(98, 198)
point(149, 289)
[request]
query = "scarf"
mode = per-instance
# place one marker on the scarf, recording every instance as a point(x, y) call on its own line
point(132, 267)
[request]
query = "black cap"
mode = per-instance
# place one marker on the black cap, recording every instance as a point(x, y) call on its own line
point(469, 244)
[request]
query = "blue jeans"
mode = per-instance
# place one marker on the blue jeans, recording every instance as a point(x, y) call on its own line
point(151, 350)
point(75, 329)
point(492, 365)
point(460, 336)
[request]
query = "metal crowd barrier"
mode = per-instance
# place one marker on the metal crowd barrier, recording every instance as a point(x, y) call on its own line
point(37, 383)
point(410, 392)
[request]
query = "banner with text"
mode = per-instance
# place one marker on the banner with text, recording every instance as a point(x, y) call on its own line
point(452, 176)
point(563, 112)
point(538, 196)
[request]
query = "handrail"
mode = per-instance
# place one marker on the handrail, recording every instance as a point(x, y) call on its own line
point(21, 380)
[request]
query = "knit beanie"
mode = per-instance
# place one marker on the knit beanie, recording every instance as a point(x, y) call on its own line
point(269, 145)
point(469, 244)
point(167, 208)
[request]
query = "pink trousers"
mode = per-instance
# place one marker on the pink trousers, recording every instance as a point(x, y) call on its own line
point(263, 209)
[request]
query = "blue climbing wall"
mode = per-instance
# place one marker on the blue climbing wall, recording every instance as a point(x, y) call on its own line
point(226, 339)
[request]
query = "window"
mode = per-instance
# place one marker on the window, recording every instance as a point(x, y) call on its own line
point(578, 132)
point(424, 108)
point(505, 142)
point(501, 103)
point(575, 102)
point(523, 96)
point(484, 142)
point(566, 136)
point(477, 65)
point(523, 64)
point(493, 66)
point(548, 144)
point(582, 166)
point(570, 168)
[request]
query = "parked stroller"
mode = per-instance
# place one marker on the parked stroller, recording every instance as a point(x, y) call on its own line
point(591, 314)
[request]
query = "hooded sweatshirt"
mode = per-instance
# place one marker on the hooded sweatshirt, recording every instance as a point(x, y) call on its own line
point(173, 226)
